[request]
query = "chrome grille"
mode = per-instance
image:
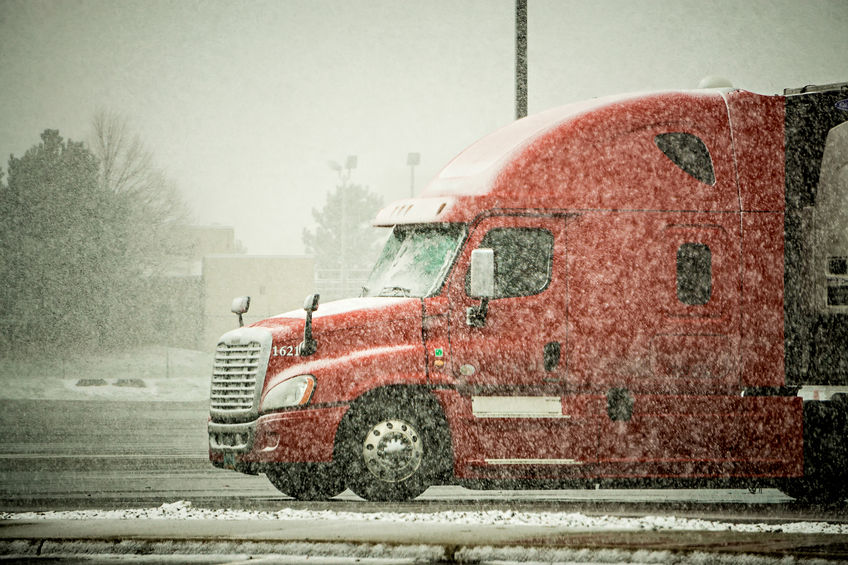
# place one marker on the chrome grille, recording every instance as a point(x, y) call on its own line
point(234, 376)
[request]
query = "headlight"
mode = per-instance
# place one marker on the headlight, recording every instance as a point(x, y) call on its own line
point(292, 392)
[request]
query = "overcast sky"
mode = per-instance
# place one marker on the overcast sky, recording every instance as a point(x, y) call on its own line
point(243, 103)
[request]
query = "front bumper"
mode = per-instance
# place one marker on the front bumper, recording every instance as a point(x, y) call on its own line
point(302, 436)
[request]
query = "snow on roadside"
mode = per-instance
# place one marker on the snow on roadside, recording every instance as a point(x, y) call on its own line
point(162, 374)
point(183, 510)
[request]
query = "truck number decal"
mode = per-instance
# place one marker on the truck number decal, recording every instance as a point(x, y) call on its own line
point(284, 351)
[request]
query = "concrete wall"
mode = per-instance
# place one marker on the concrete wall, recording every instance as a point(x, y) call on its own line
point(210, 240)
point(275, 284)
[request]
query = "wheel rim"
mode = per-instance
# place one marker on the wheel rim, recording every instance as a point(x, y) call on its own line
point(392, 451)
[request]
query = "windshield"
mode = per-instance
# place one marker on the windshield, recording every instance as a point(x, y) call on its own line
point(415, 260)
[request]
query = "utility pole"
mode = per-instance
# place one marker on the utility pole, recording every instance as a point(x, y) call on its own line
point(344, 178)
point(520, 59)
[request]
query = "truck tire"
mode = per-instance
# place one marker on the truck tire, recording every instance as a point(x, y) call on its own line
point(817, 491)
point(394, 446)
point(307, 481)
point(825, 453)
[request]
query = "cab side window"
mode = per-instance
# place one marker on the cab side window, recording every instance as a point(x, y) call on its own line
point(523, 260)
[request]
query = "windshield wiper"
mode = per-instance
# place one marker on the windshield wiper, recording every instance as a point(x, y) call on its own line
point(394, 290)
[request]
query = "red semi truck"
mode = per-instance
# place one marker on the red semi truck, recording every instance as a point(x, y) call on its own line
point(638, 290)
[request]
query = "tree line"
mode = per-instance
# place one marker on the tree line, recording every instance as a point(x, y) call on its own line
point(84, 228)
point(91, 234)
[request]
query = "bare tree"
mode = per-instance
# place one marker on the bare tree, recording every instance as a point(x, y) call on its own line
point(155, 211)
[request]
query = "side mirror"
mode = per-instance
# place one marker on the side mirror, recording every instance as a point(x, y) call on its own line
point(308, 346)
point(240, 306)
point(483, 273)
point(311, 302)
point(482, 285)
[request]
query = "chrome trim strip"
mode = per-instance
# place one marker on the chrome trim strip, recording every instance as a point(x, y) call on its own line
point(244, 378)
point(517, 407)
point(533, 462)
point(219, 434)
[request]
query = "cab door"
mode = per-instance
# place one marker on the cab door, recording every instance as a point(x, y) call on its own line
point(510, 365)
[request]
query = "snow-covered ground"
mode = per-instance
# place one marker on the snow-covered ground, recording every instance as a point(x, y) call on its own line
point(401, 537)
point(183, 510)
point(139, 374)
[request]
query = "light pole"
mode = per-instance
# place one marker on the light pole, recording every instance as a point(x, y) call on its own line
point(412, 159)
point(520, 59)
point(344, 177)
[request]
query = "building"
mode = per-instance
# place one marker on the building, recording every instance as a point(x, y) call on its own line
point(193, 300)
point(275, 284)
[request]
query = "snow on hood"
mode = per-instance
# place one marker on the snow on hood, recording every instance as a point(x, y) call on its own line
point(347, 305)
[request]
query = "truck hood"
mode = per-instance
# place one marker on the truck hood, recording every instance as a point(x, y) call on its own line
point(371, 319)
point(350, 334)
point(350, 312)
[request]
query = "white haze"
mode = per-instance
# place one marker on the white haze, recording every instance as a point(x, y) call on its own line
point(244, 103)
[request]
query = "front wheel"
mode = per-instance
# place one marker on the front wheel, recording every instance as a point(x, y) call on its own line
point(394, 449)
point(307, 481)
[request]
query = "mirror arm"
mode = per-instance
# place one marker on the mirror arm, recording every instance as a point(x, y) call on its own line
point(475, 316)
point(308, 346)
point(240, 305)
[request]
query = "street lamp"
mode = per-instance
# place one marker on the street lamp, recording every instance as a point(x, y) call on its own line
point(412, 159)
point(520, 59)
point(350, 163)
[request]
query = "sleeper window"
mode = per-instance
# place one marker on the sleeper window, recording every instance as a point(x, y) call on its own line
point(688, 152)
point(694, 274)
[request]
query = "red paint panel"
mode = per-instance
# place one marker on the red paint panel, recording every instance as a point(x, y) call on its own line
point(626, 325)
point(762, 300)
point(477, 440)
point(358, 349)
point(508, 351)
point(758, 137)
point(693, 356)
point(771, 440)
point(436, 330)
point(300, 436)
point(707, 436)
point(607, 159)
point(457, 411)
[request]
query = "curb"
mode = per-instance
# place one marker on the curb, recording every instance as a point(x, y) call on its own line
point(178, 550)
point(481, 546)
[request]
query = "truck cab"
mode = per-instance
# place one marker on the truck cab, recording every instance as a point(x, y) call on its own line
point(594, 294)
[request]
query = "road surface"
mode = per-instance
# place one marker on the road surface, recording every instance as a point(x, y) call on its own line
point(59, 455)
